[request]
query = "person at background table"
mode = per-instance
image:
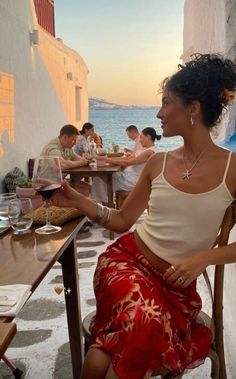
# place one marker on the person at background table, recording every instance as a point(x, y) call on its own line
point(97, 139)
point(132, 166)
point(145, 282)
point(82, 146)
point(62, 147)
point(134, 135)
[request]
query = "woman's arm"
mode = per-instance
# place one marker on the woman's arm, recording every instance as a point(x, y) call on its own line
point(190, 268)
point(66, 164)
point(121, 220)
point(131, 160)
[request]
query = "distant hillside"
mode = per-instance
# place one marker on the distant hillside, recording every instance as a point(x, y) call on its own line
point(97, 103)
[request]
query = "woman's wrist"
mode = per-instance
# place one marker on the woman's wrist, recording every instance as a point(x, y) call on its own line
point(207, 257)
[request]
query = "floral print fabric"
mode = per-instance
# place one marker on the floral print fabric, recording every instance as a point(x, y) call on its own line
point(142, 322)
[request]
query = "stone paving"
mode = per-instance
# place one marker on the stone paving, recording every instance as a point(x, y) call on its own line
point(41, 347)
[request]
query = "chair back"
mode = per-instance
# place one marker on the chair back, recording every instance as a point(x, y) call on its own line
point(217, 290)
point(30, 167)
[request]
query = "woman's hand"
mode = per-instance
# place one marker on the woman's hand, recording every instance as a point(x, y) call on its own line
point(66, 196)
point(182, 273)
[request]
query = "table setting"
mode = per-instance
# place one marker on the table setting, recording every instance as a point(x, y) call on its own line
point(19, 213)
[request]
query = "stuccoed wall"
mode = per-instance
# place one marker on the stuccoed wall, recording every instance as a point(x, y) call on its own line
point(204, 27)
point(210, 27)
point(42, 95)
point(67, 71)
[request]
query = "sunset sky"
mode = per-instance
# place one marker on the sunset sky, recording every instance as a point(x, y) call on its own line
point(129, 46)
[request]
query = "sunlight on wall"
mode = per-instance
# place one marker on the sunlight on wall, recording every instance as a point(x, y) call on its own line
point(7, 109)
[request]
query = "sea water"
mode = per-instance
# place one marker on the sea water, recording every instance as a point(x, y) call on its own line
point(110, 124)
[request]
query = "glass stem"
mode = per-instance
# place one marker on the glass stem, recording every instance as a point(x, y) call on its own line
point(48, 223)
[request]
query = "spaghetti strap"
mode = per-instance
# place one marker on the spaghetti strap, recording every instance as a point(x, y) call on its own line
point(164, 162)
point(227, 166)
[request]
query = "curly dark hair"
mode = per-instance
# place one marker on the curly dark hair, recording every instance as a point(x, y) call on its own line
point(204, 78)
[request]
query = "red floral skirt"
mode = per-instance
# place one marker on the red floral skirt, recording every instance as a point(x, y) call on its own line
point(142, 322)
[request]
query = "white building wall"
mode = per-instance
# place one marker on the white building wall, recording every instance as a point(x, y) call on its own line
point(68, 71)
point(44, 98)
point(210, 27)
point(204, 27)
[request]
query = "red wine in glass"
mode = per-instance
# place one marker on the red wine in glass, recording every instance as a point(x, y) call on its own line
point(47, 191)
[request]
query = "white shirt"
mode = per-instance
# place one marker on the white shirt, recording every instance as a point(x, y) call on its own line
point(137, 145)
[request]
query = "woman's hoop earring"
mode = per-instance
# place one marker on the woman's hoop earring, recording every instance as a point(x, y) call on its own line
point(191, 121)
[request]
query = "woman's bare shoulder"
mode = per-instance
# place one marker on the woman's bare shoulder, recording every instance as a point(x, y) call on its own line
point(154, 164)
point(234, 157)
point(231, 177)
point(156, 157)
point(226, 153)
point(232, 167)
point(159, 156)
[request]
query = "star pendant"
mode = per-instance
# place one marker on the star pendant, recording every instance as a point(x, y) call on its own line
point(186, 174)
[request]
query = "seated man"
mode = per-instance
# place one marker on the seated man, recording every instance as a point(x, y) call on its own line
point(62, 147)
point(134, 135)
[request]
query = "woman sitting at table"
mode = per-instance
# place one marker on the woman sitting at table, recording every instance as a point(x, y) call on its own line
point(126, 179)
point(82, 146)
point(145, 282)
point(97, 139)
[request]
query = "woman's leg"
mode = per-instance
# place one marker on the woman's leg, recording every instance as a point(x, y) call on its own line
point(111, 373)
point(96, 364)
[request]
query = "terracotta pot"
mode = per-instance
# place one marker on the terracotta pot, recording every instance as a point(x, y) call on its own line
point(30, 193)
point(101, 160)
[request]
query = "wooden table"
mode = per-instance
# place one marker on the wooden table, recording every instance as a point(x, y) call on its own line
point(103, 172)
point(26, 259)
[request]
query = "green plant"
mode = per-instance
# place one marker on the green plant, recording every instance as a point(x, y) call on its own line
point(101, 152)
point(25, 183)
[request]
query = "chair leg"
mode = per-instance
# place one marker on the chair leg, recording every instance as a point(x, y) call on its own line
point(171, 376)
point(163, 373)
point(215, 366)
point(16, 371)
point(86, 346)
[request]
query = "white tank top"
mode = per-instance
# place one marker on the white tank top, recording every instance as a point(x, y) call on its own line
point(179, 223)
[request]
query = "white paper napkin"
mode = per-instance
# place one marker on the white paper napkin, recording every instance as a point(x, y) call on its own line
point(17, 292)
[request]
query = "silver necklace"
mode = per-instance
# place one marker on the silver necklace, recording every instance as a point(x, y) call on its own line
point(188, 172)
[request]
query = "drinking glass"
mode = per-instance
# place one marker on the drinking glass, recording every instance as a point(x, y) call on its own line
point(4, 204)
point(20, 215)
point(47, 178)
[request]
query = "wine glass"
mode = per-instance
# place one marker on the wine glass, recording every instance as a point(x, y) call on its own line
point(47, 178)
point(20, 215)
point(4, 204)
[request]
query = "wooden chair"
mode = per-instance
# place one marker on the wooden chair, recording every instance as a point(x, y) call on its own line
point(30, 167)
point(121, 197)
point(214, 322)
point(216, 290)
point(7, 333)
